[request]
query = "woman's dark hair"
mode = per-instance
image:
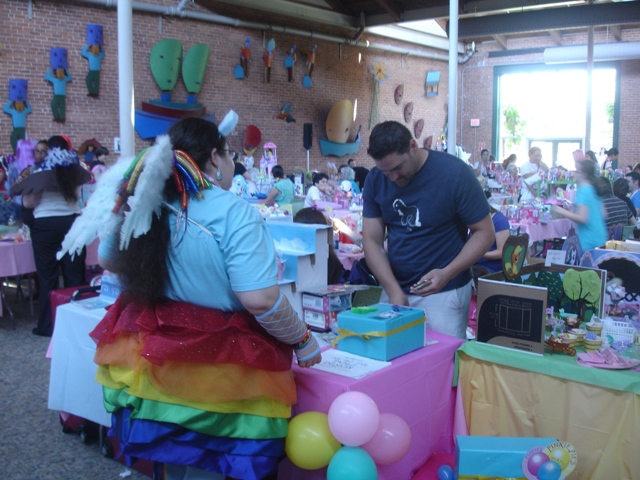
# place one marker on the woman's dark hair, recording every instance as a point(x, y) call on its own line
point(317, 177)
point(277, 171)
point(143, 266)
point(68, 180)
point(621, 188)
point(315, 217)
point(389, 137)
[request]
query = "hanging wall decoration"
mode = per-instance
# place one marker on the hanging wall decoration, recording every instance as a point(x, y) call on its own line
point(267, 57)
point(251, 139)
point(427, 142)
point(338, 127)
point(165, 59)
point(417, 128)
point(397, 95)
point(311, 60)
point(59, 76)
point(290, 63)
point(431, 84)
point(242, 71)
point(285, 113)
point(18, 107)
point(379, 71)
point(408, 112)
point(94, 53)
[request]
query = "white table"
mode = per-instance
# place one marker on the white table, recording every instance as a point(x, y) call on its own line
point(72, 385)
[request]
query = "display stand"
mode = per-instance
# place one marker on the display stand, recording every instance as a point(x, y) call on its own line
point(305, 251)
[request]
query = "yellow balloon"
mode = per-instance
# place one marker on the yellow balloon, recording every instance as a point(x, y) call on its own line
point(560, 456)
point(310, 444)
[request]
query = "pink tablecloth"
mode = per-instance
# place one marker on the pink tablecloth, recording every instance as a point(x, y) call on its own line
point(15, 259)
point(347, 258)
point(417, 387)
point(537, 231)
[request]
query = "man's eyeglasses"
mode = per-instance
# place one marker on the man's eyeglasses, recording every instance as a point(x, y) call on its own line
point(41, 150)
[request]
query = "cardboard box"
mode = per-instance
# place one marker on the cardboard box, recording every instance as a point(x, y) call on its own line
point(382, 332)
point(319, 321)
point(326, 300)
point(319, 307)
point(508, 457)
point(512, 315)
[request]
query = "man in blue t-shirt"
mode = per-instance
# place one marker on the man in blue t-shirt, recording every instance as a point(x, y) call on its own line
point(426, 202)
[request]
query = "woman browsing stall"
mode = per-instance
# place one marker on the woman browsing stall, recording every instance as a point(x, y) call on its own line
point(201, 328)
point(589, 214)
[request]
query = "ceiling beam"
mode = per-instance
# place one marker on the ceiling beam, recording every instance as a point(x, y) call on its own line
point(550, 19)
point(501, 40)
point(391, 8)
point(413, 36)
point(338, 6)
point(616, 31)
point(556, 36)
point(293, 10)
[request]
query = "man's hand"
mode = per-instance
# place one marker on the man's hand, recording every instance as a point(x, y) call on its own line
point(399, 299)
point(430, 283)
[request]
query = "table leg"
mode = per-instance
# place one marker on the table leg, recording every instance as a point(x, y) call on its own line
point(6, 304)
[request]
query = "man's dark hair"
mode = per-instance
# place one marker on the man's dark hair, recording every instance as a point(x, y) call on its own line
point(612, 151)
point(635, 176)
point(389, 137)
point(317, 177)
point(483, 150)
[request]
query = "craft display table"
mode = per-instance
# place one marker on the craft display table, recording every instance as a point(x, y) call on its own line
point(538, 232)
point(513, 394)
point(417, 387)
point(15, 259)
point(72, 385)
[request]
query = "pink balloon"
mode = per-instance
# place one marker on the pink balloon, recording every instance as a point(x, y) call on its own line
point(391, 442)
point(536, 461)
point(353, 418)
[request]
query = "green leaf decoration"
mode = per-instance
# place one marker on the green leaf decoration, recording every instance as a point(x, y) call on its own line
point(553, 282)
point(582, 286)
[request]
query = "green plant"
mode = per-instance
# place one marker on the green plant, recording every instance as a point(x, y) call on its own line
point(609, 108)
point(514, 125)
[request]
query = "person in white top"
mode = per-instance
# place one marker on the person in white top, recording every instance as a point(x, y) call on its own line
point(318, 191)
point(530, 174)
point(55, 210)
point(482, 167)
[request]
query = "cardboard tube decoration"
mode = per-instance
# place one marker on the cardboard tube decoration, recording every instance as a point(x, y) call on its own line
point(59, 76)
point(18, 108)
point(267, 57)
point(94, 53)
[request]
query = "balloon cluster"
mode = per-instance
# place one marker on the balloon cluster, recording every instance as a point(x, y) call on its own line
point(351, 439)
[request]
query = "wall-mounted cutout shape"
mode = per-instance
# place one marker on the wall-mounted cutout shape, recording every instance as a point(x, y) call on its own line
point(431, 84)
